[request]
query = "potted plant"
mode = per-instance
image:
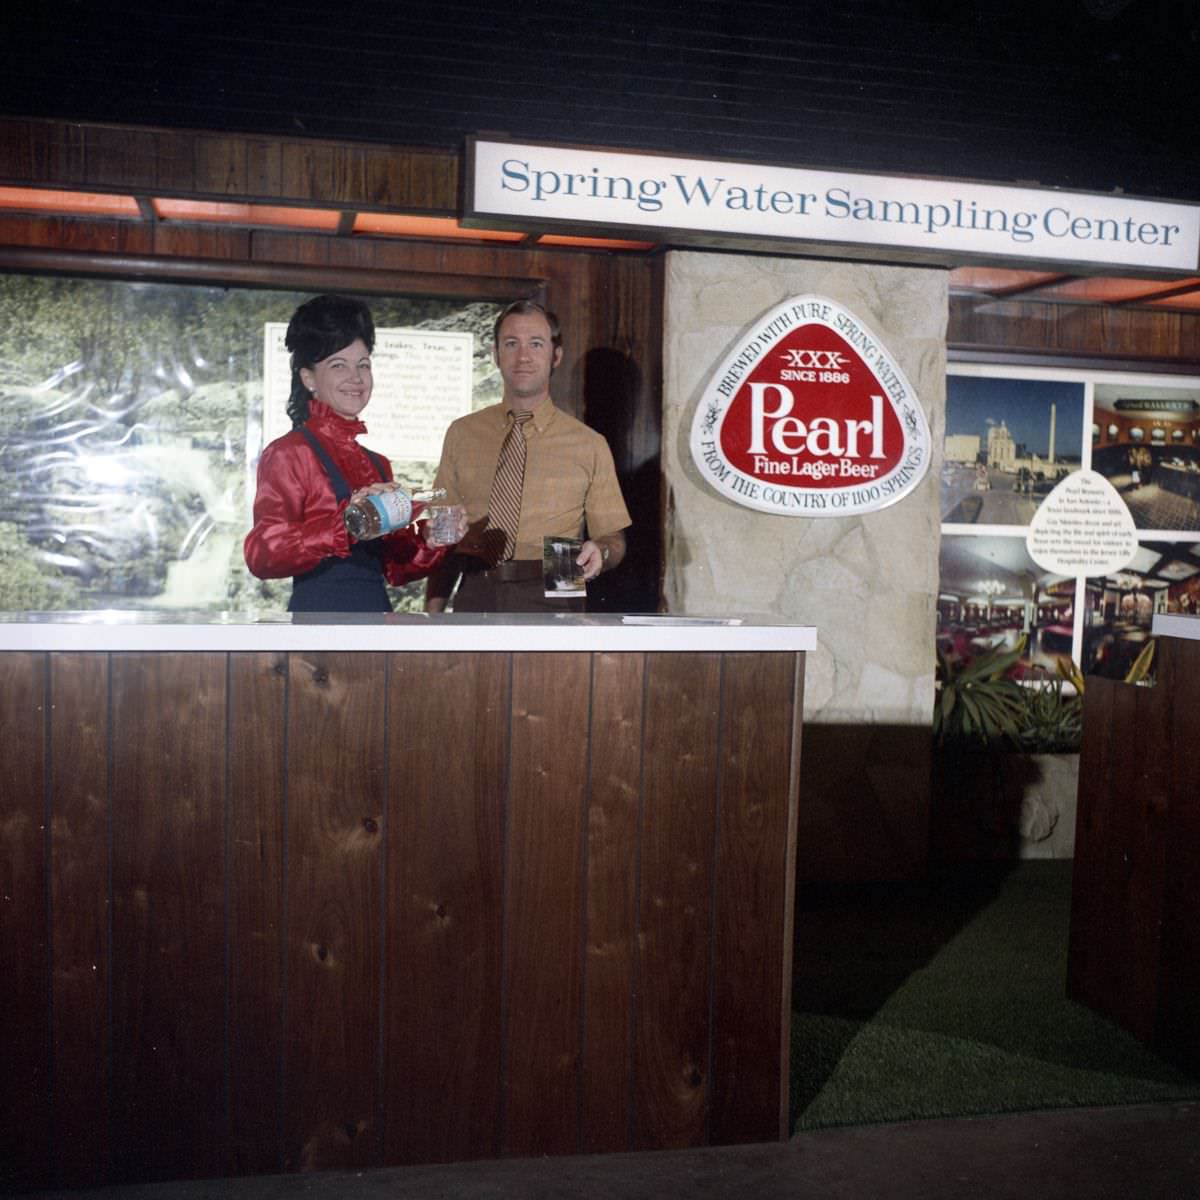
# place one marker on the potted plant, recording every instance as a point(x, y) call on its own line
point(1006, 757)
point(977, 701)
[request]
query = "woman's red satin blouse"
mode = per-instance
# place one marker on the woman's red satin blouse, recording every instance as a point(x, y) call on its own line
point(297, 519)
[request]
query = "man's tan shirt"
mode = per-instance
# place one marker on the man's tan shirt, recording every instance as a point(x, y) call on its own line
point(570, 488)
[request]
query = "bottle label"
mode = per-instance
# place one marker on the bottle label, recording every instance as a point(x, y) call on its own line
point(395, 509)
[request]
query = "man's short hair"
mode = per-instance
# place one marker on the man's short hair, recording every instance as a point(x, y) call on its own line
point(521, 307)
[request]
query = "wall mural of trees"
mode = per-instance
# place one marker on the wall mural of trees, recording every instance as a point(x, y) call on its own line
point(130, 424)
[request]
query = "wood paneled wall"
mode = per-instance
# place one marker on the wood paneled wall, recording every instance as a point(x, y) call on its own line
point(1135, 912)
point(1092, 331)
point(275, 913)
point(224, 166)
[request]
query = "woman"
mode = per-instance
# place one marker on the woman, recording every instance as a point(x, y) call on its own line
point(307, 478)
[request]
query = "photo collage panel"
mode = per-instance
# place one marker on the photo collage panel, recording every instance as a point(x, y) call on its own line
point(1013, 435)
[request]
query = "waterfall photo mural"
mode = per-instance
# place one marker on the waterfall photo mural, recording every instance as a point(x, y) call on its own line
point(131, 420)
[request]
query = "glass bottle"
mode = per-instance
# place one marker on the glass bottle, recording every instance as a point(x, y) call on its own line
point(385, 512)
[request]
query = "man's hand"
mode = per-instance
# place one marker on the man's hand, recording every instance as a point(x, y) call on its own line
point(439, 584)
point(601, 553)
point(475, 539)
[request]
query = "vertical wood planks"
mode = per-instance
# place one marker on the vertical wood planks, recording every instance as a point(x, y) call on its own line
point(1120, 855)
point(615, 772)
point(232, 245)
point(1099, 752)
point(1084, 954)
point(1095, 330)
point(335, 803)
point(123, 158)
point(1134, 940)
point(1177, 1031)
point(752, 909)
point(543, 907)
point(335, 910)
point(257, 789)
point(671, 1048)
point(332, 173)
point(448, 764)
point(168, 948)
point(24, 924)
point(80, 844)
point(219, 164)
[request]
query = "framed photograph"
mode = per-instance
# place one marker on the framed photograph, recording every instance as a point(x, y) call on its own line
point(1119, 608)
point(1146, 443)
point(991, 594)
point(1009, 440)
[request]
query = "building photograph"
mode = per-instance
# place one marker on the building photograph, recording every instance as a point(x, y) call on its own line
point(1008, 442)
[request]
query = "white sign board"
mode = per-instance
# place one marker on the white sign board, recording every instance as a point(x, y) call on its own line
point(422, 383)
point(537, 184)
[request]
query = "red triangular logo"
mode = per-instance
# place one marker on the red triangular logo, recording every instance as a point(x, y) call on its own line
point(809, 415)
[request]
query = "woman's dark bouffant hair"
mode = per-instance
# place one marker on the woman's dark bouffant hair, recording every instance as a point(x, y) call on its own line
point(320, 327)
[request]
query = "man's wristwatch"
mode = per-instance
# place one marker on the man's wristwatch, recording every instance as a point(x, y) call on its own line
point(604, 552)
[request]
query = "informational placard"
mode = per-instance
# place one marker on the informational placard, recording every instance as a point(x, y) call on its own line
point(422, 382)
point(1082, 528)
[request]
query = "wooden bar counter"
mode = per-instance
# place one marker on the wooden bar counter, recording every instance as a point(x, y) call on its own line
point(355, 892)
point(1135, 905)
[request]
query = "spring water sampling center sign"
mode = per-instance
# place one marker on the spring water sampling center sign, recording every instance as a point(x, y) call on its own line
point(535, 186)
point(809, 416)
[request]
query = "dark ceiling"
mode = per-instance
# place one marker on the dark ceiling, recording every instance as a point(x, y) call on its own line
point(1091, 94)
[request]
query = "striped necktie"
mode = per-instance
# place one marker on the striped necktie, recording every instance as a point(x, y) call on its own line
point(504, 510)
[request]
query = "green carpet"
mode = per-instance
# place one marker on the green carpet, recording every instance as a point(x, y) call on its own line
point(949, 999)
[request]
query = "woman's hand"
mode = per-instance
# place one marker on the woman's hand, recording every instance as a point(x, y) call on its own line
point(373, 489)
point(359, 495)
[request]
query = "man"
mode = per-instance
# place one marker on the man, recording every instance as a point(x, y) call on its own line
point(557, 480)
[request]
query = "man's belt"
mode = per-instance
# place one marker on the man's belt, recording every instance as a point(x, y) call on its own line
point(515, 570)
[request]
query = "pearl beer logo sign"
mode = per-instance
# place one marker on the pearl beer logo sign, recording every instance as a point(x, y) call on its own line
point(810, 416)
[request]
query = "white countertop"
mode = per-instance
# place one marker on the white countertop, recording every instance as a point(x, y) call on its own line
point(1175, 625)
point(129, 630)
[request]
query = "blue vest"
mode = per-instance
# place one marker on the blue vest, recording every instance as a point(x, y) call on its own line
point(347, 585)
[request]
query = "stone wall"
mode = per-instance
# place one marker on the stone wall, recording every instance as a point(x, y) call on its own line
point(868, 583)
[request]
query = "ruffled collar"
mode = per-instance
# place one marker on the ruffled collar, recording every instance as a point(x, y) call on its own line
point(329, 424)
